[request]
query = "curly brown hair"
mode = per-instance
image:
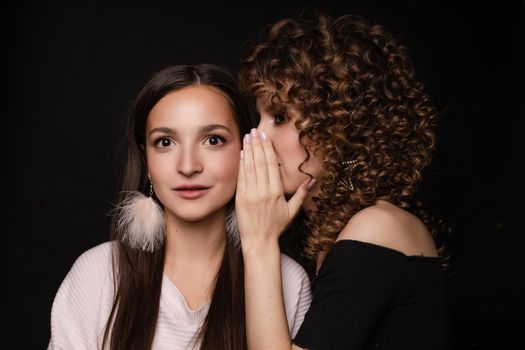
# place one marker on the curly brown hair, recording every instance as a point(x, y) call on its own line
point(355, 89)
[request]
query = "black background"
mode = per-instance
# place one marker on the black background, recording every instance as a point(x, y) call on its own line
point(72, 67)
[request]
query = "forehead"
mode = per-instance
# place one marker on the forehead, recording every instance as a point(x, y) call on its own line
point(272, 101)
point(263, 100)
point(199, 104)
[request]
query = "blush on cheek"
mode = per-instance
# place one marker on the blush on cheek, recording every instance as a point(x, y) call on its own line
point(227, 166)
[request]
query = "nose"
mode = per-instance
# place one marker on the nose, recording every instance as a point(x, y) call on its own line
point(188, 162)
point(264, 127)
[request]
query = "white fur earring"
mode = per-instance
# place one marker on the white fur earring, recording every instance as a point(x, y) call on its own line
point(232, 230)
point(141, 221)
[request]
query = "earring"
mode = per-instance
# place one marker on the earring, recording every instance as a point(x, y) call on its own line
point(141, 221)
point(232, 230)
point(346, 182)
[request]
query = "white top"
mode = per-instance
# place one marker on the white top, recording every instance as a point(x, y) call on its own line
point(83, 303)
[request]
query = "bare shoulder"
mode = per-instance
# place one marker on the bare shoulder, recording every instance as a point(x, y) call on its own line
point(387, 225)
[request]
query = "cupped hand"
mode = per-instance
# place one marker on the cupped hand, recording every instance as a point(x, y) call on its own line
point(261, 208)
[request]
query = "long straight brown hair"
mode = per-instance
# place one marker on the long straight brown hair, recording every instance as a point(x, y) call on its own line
point(138, 274)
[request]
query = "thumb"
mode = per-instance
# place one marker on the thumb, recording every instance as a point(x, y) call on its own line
point(295, 203)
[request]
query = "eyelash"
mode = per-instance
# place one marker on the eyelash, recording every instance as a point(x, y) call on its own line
point(221, 139)
point(279, 122)
point(158, 141)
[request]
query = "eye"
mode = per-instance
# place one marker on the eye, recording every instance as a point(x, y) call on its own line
point(214, 140)
point(279, 119)
point(163, 142)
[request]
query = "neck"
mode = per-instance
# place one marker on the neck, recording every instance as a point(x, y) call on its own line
point(308, 204)
point(194, 252)
point(195, 243)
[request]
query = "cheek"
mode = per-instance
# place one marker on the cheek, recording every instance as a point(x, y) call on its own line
point(290, 149)
point(156, 165)
point(226, 166)
point(282, 139)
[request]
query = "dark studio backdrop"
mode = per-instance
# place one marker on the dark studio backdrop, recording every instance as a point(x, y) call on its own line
point(73, 67)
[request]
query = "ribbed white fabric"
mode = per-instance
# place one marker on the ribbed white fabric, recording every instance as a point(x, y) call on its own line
point(83, 302)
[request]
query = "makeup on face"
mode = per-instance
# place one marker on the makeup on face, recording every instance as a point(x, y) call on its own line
point(280, 127)
point(192, 151)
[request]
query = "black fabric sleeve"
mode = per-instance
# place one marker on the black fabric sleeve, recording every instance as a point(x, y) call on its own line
point(355, 286)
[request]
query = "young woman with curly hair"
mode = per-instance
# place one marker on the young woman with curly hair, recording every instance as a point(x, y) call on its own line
point(345, 133)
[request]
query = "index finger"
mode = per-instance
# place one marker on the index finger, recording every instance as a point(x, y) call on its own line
point(274, 175)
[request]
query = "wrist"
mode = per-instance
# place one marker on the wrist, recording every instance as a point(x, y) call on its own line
point(260, 249)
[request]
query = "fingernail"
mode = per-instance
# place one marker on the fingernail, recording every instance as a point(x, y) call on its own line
point(255, 134)
point(247, 138)
point(242, 154)
point(311, 184)
point(264, 135)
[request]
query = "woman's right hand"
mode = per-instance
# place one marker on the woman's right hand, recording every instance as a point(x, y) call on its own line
point(261, 208)
point(262, 215)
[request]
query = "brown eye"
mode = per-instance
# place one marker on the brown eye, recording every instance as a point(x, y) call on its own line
point(163, 142)
point(279, 119)
point(214, 140)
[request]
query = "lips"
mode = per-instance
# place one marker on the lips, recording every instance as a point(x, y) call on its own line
point(191, 191)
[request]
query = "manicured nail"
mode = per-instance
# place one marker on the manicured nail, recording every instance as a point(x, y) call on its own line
point(242, 154)
point(311, 184)
point(264, 135)
point(247, 138)
point(255, 134)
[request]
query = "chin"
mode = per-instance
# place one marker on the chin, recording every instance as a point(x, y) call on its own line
point(289, 192)
point(191, 217)
point(197, 213)
point(191, 213)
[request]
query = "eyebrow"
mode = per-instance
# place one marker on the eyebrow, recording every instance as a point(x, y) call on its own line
point(202, 129)
point(211, 127)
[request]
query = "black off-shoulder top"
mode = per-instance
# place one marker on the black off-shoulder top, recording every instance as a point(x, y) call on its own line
point(367, 296)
